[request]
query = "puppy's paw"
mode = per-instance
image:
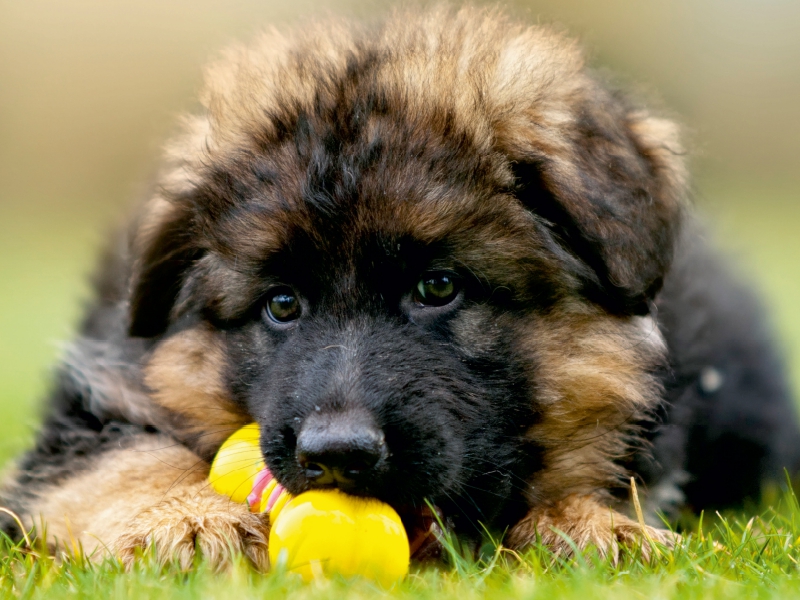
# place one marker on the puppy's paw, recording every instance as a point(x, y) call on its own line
point(211, 526)
point(586, 522)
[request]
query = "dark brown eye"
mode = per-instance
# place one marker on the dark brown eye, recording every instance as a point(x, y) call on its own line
point(436, 289)
point(282, 305)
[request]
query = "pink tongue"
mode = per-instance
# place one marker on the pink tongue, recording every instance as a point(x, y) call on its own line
point(261, 481)
point(273, 497)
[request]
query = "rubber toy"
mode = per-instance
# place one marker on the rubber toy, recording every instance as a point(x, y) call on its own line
point(237, 464)
point(317, 533)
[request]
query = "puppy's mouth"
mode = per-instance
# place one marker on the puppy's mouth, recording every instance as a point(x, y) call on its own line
point(424, 529)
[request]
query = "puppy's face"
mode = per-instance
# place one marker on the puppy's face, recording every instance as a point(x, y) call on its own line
point(371, 320)
point(375, 341)
point(416, 296)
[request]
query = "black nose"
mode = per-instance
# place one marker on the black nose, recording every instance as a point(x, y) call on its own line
point(340, 449)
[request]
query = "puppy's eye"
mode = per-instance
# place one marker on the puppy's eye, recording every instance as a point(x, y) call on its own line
point(282, 305)
point(437, 289)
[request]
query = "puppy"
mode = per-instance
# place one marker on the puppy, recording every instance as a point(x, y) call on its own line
point(436, 260)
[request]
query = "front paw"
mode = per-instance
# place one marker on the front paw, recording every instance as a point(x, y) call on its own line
point(177, 530)
point(585, 522)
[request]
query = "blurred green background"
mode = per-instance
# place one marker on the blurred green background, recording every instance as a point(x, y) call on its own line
point(89, 89)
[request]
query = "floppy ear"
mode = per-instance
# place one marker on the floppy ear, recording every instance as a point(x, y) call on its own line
point(164, 251)
point(612, 195)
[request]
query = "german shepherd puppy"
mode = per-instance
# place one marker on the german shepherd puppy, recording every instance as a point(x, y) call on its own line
point(436, 259)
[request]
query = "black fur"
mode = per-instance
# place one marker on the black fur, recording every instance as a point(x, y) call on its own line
point(729, 422)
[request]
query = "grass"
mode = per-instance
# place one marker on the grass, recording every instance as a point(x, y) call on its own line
point(729, 558)
point(44, 257)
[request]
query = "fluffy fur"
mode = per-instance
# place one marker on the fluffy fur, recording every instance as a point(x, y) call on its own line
point(592, 334)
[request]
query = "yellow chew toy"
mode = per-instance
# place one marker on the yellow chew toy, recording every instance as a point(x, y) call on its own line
point(237, 464)
point(317, 533)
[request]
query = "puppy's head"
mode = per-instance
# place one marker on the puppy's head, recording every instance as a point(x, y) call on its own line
point(421, 256)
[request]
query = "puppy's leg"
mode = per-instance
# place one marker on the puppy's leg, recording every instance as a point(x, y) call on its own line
point(587, 522)
point(150, 495)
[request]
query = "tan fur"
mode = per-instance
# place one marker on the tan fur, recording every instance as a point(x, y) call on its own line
point(153, 493)
point(178, 528)
point(184, 373)
point(438, 67)
point(593, 375)
point(514, 88)
point(586, 522)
